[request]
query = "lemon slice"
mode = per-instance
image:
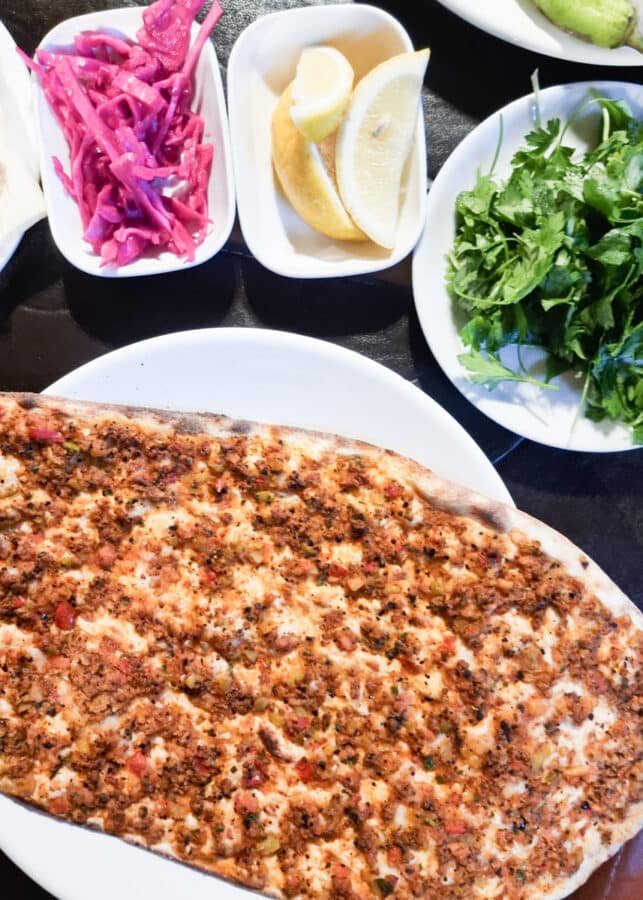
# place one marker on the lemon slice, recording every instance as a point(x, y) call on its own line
point(374, 140)
point(320, 92)
point(306, 172)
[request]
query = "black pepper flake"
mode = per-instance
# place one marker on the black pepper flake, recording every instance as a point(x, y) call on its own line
point(394, 723)
point(353, 815)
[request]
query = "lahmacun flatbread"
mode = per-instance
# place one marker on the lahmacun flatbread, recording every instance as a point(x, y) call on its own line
point(305, 663)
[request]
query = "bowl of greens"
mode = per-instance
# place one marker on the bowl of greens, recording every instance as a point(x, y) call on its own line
point(528, 278)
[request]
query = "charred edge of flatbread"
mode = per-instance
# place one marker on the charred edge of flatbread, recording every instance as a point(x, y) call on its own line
point(187, 423)
point(445, 494)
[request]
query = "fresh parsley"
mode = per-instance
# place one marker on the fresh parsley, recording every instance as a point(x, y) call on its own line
point(553, 258)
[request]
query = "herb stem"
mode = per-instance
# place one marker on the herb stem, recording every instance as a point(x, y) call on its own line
point(501, 133)
point(535, 86)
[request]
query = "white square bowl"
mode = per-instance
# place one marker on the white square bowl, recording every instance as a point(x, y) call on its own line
point(262, 64)
point(209, 103)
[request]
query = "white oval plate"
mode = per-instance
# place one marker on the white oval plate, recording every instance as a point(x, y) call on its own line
point(262, 64)
point(520, 22)
point(254, 374)
point(15, 73)
point(7, 249)
point(209, 102)
point(549, 417)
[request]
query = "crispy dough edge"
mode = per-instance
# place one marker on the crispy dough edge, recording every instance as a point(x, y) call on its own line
point(447, 495)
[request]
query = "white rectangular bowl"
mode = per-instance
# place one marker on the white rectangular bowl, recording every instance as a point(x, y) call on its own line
point(262, 64)
point(209, 103)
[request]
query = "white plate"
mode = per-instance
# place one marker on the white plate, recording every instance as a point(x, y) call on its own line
point(7, 249)
point(13, 72)
point(548, 417)
point(209, 102)
point(267, 376)
point(520, 22)
point(262, 64)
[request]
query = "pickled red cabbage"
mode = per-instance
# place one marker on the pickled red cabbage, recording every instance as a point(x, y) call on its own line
point(139, 168)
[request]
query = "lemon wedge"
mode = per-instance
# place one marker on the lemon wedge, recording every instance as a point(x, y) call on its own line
point(374, 140)
point(320, 92)
point(306, 172)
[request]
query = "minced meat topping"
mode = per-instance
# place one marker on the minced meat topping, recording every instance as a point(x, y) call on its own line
point(279, 661)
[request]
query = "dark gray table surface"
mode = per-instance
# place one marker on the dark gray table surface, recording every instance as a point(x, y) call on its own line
point(53, 318)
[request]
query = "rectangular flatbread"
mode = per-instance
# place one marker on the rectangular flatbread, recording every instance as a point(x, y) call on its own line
point(305, 663)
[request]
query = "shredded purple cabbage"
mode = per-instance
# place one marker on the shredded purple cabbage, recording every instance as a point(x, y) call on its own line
point(139, 168)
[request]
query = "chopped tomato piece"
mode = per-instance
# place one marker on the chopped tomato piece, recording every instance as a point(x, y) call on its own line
point(291, 884)
point(448, 644)
point(106, 556)
point(65, 616)
point(45, 435)
point(59, 806)
point(394, 856)
point(245, 802)
point(455, 828)
point(392, 491)
point(370, 568)
point(301, 723)
point(200, 767)
point(339, 871)
point(336, 570)
point(138, 763)
point(19, 602)
point(305, 770)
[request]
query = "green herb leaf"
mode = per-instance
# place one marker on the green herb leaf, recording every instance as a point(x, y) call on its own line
point(553, 257)
point(618, 111)
point(489, 371)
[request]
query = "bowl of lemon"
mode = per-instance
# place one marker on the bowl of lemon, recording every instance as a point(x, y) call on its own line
point(328, 140)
